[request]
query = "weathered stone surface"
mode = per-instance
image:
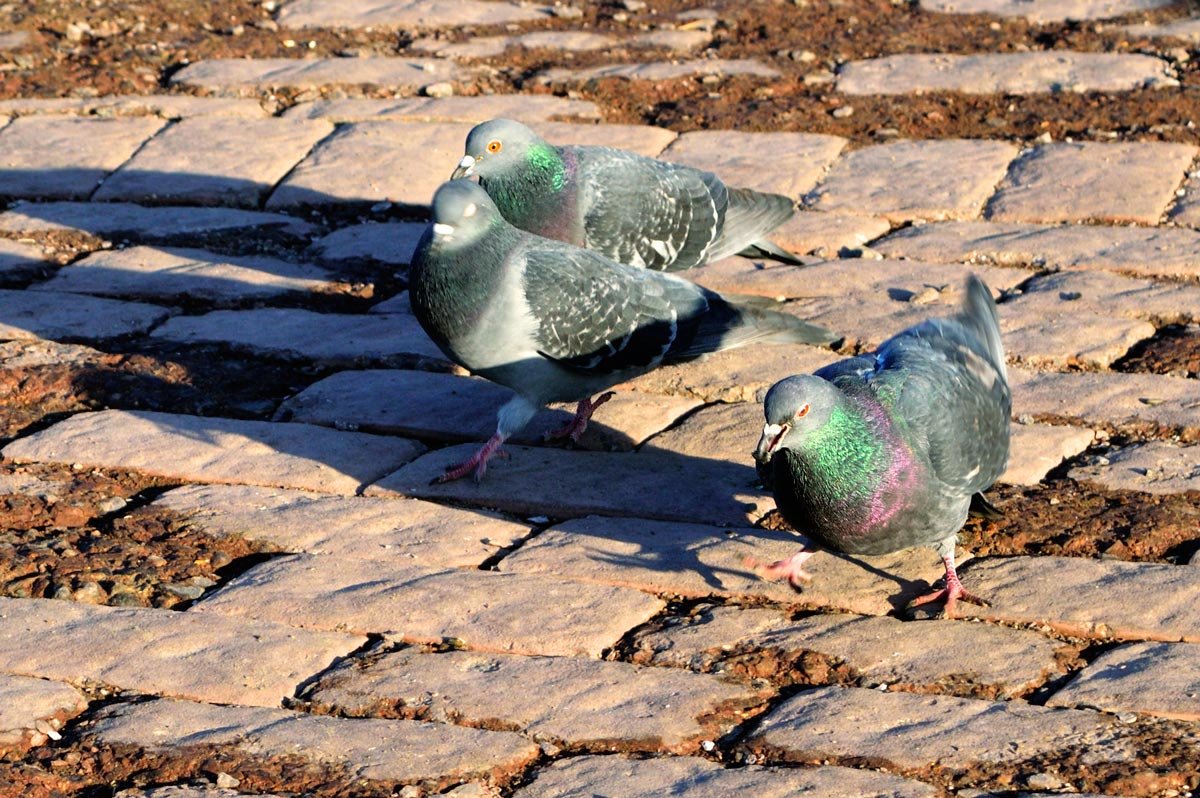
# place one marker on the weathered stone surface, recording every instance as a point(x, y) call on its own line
point(397, 304)
point(1111, 398)
point(240, 76)
point(167, 274)
point(453, 408)
point(48, 157)
point(693, 560)
point(1162, 251)
point(483, 610)
point(1160, 679)
point(149, 223)
point(292, 333)
point(1151, 467)
point(19, 259)
point(488, 46)
point(1187, 28)
point(720, 431)
point(404, 13)
point(1007, 73)
point(374, 161)
point(578, 703)
point(867, 301)
point(163, 652)
point(397, 531)
point(902, 654)
point(167, 106)
point(527, 108)
point(1110, 295)
point(735, 375)
point(663, 70)
point(752, 160)
point(826, 233)
point(213, 160)
point(915, 731)
point(43, 314)
point(1064, 334)
point(1114, 182)
point(360, 748)
point(217, 450)
point(643, 139)
point(678, 41)
point(702, 778)
point(27, 704)
point(562, 483)
point(1037, 449)
point(1044, 10)
point(1090, 598)
point(1186, 210)
point(391, 242)
point(11, 40)
point(904, 180)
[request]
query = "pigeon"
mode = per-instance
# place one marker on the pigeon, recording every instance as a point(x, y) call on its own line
point(630, 208)
point(557, 323)
point(878, 453)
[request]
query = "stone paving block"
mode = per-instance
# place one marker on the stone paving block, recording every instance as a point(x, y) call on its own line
point(527, 108)
point(390, 242)
point(1162, 251)
point(139, 221)
point(249, 76)
point(19, 259)
point(912, 732)
point(11, 40)
point(482, 610)
point(663, 70)
point(167, 106)
point(866, 301)
point(31, 707)
point(359, 749)
point(453, 408)
point(404, 531)
point(291, 333)
point(735, 375)
point(372, 161)
point(812, 232)
point(702, 778)
point(171, 274)
point(678, 41)
point(720, 431)
point(1186, 210)
point(1110, 398)
point(1113, 182)
point(46, 157)
point(904, 180)
point(752, 160)
point(1160, 679)
point(405, 13)
point(579, 704)
point(1104, 599)
point(191, 448)
point(213, 160)
point(1150, 467)
point(397, 304)
point(164, 652)
point(1110, 295)
point(1037, 449)
point(26, 315)
point(1187, 28)
point(696, 561)
point(1067, 335)
point(907, 655)
point(562, 483)
point(488, 46)
point(1004, 73)
point(643, 139)
point(1045, 10)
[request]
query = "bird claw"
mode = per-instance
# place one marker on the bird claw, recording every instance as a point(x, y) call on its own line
point(791, 568)
point(951, 595)
point(476, 464)
point(574, 428)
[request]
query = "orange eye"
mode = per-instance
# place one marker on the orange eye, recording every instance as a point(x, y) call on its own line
point(802, 412)
point(494, 146)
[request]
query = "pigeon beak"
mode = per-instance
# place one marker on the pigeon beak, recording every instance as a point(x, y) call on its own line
point(466, 168)
point(772, 436)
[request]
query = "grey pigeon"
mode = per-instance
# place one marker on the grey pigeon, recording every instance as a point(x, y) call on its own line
point(879, 453)
point(633, 209)
point(556, 323)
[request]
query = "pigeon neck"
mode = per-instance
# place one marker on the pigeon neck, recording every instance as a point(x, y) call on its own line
point(533, 198)
point(456, 284)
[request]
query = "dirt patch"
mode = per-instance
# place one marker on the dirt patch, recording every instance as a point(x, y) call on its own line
point(1174, 351)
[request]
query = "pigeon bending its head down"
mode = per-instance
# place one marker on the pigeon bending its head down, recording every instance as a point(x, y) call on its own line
point(878, 453)
point(633, 209)
point(556, 323)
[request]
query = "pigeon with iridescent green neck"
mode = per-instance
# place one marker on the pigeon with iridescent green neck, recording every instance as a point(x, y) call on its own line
point(878, 453)
point(633, 209)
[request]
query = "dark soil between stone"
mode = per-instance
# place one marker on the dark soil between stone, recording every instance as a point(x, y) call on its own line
point(1174, 351)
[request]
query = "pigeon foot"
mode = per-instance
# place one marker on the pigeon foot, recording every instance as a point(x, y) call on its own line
point(476, 464)
point(792, 568)
point(950, 594)
point(583, 413)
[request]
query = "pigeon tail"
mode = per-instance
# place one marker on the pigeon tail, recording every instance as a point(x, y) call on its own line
point(769, 249)
point(980, 317)
point(753, 322)
point(749, 216)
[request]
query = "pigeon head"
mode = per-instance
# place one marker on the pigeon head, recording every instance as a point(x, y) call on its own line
point(462, 212)
point(795, 407)
point(502, 148)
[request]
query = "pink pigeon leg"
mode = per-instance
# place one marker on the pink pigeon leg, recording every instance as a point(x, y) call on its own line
point(951, 593)
point(792, 568)
point(583, 413)
point(476, 463)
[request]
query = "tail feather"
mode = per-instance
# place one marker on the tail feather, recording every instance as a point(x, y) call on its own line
point(759, 323)
point(749, 216)
point(979, 315)
point(769, 249)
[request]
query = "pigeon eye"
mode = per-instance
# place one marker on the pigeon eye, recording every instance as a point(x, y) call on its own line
point(802, 412)
point(494, 146)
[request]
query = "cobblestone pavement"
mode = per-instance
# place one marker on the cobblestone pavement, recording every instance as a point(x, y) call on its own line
point(224, 570)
